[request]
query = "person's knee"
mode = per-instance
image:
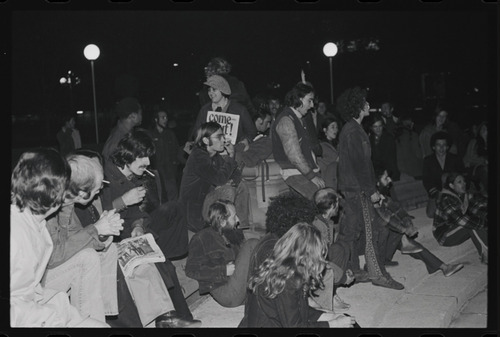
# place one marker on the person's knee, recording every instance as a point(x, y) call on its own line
point(89, 258)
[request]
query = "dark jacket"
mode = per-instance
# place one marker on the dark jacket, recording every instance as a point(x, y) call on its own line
point(201, 175)
point(289, 309)
point(207, 259)
point(432, 171)
point(384, 154)
point(355, 170)
point(246, 126)
point(69, 236)
point(307, 164)
point(133, 215)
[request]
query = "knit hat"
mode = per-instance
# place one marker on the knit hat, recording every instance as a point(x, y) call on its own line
point(218, 82)
point(127, 106)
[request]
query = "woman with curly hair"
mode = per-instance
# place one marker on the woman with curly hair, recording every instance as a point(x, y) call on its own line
point(280, 287)
point(357, 182)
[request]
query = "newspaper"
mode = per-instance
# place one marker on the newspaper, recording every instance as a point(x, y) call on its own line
point(133, 252)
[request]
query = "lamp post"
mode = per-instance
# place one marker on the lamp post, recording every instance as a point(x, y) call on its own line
point(91, 53)
point(330, 50)
point(70, 80)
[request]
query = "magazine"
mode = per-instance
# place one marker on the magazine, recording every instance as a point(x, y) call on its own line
point(133, 252)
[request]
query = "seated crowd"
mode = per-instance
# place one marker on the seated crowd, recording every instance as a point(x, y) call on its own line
point(70, 213)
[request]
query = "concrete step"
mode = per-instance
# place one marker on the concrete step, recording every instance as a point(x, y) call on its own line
point(428, 301)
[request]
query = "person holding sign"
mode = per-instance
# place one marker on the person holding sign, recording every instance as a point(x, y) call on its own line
point(208, 176)
point(233, 117)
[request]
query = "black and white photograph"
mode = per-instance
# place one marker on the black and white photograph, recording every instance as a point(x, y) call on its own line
point(313, 168)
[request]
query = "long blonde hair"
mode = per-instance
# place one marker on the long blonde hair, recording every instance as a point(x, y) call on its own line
point(300, 255)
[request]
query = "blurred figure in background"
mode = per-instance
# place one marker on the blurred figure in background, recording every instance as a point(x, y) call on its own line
point(68, 136)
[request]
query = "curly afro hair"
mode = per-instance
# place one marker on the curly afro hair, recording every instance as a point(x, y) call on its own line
point(351, 102)
point(286, 210)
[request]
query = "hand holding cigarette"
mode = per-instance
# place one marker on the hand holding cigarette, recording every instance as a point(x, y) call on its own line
point(134, 196)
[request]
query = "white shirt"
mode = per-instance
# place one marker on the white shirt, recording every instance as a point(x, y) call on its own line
point(31, 305)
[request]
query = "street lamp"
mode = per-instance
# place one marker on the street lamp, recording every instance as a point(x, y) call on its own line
point(70, 80)
point(91, 53)
point(330, 50)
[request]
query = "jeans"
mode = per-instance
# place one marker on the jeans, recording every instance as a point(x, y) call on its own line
point(79, 275)
point(478, 237)
point(233, 293)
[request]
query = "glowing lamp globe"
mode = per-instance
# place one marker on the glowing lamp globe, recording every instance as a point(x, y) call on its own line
point(91, 52)
point(330, 49)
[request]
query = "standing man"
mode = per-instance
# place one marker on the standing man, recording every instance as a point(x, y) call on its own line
point(357, 183)
point(168, 155)
point(292, 147)
point(129, 113)
point(391, 122)
point(219, 256)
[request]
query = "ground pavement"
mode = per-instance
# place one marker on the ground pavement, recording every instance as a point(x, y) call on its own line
point(428, 301)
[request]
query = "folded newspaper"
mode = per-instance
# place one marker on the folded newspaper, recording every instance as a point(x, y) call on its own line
point(133, 252)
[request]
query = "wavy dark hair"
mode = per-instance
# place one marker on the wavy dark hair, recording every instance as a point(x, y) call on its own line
point(351, 102)
point(136, 144)
point(287, 209)
point(39, 180)
point(324, 125)
point(441, 135)
point(205, 130)
point(294, 96)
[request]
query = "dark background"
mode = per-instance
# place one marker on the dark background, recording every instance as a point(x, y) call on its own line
point(422, 56)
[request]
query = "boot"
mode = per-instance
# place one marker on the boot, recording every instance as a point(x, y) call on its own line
point(450, 269)
point(410, 246)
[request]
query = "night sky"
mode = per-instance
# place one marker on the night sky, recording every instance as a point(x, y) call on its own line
point(138, 49)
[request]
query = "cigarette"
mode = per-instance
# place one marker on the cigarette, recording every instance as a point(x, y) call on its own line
point(105, 181)
point(149, 172)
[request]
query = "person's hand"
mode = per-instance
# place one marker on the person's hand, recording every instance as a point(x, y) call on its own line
point(109, 223)
point(134, 196)
point(318, 181)
point(327, 315)
point(137, 231)
point(375, 197)
point(245, 144)
point(188, 147)
point(411, 231)
point(230, 268)
point(342, 321)
point(349, 277)
point(229, 148)
point(108, 242)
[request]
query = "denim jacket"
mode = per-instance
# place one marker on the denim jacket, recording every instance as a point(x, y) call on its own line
point(207, 259)
point(356, 172)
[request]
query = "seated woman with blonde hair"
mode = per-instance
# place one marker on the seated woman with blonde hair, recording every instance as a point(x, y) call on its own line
point(280, 287)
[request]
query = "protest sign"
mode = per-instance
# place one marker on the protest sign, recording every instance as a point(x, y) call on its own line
point(229, 123)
